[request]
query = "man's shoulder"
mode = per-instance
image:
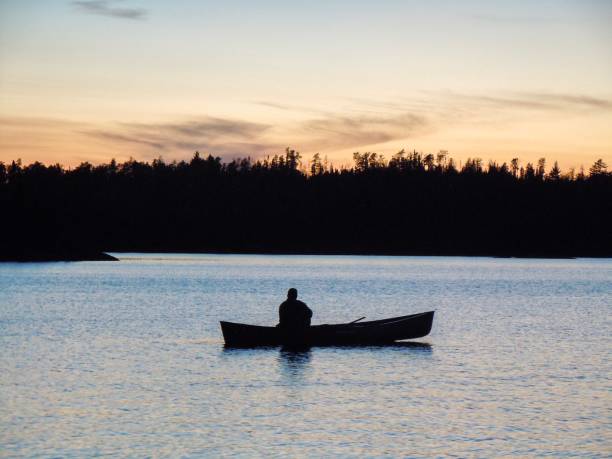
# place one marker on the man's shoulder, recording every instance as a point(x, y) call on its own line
point(291, 303)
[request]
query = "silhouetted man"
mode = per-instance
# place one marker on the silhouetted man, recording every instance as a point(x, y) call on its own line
point(293, 314)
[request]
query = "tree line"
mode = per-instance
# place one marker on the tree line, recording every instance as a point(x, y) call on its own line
point(411, 203)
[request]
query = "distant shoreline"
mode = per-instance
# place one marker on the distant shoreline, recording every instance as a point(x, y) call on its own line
point(25, 257)
point(105, 256)
point(364, 253)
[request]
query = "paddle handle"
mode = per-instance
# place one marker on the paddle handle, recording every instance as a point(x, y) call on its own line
point(361, 318)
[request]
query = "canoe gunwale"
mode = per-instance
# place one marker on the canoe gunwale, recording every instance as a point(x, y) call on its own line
point(370, 323)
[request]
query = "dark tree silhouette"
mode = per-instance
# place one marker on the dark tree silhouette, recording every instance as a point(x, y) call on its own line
point(555, 172)
point(541, 170)
point(410, 204)
point(598, 168)
point(514, 165)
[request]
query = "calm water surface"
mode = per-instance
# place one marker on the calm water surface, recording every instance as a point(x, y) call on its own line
point(127, 358)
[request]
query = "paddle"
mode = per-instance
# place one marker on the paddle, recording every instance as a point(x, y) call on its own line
point(354, 321)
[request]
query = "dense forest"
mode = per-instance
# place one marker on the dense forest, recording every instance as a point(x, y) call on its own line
point(409, 204)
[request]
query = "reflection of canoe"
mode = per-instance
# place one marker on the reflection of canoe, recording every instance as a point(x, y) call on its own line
point(376, 331)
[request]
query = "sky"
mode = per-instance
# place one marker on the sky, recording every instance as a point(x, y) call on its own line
point(93, 80)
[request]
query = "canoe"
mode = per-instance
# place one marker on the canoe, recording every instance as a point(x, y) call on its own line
point(372, 332)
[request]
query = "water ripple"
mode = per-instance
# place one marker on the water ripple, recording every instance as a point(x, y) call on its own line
point(126, 359)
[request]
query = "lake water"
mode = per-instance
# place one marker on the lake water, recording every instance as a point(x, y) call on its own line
point(127, 359)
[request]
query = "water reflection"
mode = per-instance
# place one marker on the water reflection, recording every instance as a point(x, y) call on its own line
point(294, 362)
point(425, 348)
point(246, 349)
point(300, 354)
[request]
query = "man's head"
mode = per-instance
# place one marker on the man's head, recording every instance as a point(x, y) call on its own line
point(292, 294)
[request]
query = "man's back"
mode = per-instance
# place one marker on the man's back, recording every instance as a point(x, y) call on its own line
point(294, 314)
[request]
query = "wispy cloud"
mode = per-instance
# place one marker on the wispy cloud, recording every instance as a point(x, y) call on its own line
point(359, 130)
point(116, 137)
point(541, 101)
point(108, 8)
point(355, 125)
point(364, 124)
point(290, 107)
point(231, 138)
point(370, 122)
point(211, 135)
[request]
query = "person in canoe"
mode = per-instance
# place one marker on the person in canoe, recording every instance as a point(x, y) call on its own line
point(293, 314)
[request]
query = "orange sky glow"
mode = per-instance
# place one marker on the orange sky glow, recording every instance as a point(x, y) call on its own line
point(91, 81)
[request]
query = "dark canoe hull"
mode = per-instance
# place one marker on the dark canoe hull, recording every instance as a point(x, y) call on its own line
point(372, 332)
